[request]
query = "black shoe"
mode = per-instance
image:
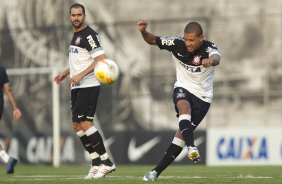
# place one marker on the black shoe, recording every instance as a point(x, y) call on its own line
point(10, 165)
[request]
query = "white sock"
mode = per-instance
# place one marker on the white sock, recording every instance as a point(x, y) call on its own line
point(178, 142)
point(4, 156)
point(94, 155)
point(105, 156)
point(80, 133)
point(91, 130)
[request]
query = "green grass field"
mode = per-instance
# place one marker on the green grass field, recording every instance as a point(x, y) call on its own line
point(133, 175)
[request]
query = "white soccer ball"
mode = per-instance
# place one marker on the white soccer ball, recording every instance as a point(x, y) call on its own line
point(106, 71)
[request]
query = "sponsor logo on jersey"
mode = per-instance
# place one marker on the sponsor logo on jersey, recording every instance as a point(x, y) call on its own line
point(191, 68)
point(167, 41)
point(91, 42)
point(74, 85)
point(73, 50)
point(77, 41)
point(196, 60)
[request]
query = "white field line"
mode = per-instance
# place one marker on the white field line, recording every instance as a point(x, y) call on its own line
point(81, 177)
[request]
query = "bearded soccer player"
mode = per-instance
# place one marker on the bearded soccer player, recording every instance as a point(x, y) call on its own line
point(84, 52)
point(195, 59)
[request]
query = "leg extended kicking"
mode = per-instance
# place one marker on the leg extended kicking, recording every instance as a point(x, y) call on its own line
point(189, 118)
point(171, 153)
point(186, 128)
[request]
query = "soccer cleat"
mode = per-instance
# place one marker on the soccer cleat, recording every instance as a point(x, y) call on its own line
point(11, 165)
point(151, 176)
point(104, 170)
point(92, 171)
point(194, 154)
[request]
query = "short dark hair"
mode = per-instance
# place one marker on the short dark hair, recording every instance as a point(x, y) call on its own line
point(194, 27)
point(77, 5)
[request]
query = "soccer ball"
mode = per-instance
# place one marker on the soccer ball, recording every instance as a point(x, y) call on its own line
point(106, 71)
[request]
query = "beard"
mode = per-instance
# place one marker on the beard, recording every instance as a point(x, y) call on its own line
point(77, 24)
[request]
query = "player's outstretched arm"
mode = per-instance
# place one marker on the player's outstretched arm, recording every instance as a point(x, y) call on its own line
point(216, 59)
point(61, 76)
point(213, 60)
point(16, 111)
point(148, 37)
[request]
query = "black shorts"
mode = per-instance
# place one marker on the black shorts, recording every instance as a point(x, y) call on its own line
point(199, 108)
point(83, 103)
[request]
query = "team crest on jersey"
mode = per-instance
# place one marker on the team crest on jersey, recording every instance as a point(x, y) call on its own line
point(180, 94)
point(77, 41)
point(196, 60)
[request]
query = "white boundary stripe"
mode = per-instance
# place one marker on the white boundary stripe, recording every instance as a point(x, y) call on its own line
point(81, 177)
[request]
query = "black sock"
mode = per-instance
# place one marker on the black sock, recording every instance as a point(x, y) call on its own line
point(107, 162)
point(89, 148)
point(187, 132)
point(172, 152)
point(99, 147)
point(96, 161)
point(97, 143)
point(87, 145)
point(95, 140)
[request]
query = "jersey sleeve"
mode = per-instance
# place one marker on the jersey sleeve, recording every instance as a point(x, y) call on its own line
point(168, 43)
point(212, 49)
point(93, 45)
point(3, 77)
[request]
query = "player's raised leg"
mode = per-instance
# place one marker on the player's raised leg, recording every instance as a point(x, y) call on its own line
point(172, 152)
point(182, 102)
point(186, 128)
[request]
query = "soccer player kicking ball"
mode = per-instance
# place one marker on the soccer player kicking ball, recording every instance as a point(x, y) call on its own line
point(10, 162)
point(84, 52)
point(195, 59)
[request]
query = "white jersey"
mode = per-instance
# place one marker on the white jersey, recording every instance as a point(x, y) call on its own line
point(85, 47)
point(190, 73)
